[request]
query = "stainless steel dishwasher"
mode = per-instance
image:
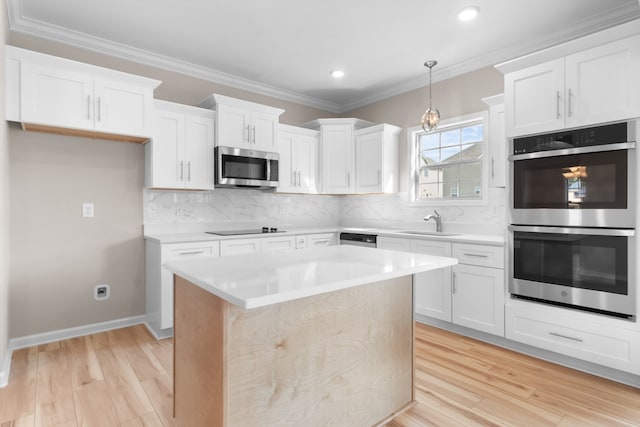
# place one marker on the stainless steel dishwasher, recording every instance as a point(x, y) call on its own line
point(359, 239)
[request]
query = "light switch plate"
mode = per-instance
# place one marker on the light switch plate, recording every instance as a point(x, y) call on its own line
point(87, 210)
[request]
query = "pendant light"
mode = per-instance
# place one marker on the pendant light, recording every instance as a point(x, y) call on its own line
point(431, 116)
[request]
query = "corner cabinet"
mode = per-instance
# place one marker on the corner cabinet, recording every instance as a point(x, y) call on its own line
point(470, 294)
point(63, 96)
point(180, 155)
point(244, 124)
point(594, 86)
point(377, 159)
point(298, 165)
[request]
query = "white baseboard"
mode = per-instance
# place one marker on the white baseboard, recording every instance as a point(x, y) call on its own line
point(5, 367)
point(61, 334)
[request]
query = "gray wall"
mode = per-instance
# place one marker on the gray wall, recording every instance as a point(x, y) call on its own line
point(4, 206)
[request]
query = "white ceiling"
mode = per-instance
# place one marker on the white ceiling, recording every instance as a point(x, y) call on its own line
point(286, 48)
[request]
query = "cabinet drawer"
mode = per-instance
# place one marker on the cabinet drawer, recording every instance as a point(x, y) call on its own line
point(184, 250)
point(240, 247)
point(484, 256)
point(608, 346)
point(322, 239)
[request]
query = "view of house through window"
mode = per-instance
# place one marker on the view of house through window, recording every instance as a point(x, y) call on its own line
point(449, 162)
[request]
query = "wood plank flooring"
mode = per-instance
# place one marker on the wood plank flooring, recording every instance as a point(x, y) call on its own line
point(123, 378)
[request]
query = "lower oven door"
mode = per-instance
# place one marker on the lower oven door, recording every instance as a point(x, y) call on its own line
point(588, 268)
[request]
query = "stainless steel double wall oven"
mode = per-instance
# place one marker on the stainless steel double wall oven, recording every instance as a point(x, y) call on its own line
point(573, 218)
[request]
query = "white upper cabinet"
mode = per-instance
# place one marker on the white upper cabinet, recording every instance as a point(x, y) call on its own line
point(337, 158)
point(78, 99)
point(298, 165)
point(180, 154)
point(377, 162)
point(243, 124)
point(497, 141)
point(593, 86)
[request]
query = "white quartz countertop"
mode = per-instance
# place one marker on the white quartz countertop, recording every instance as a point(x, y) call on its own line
point(251, 281)
point(492, 240)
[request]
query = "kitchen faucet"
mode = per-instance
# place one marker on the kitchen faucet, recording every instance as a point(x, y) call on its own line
point(437, 218)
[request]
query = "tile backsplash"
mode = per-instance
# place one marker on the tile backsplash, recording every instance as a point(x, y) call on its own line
point(187, 211)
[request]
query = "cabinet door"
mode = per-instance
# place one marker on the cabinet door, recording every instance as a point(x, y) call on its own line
point(165, 151)
point(432, 289)
point(478, 298)
point(602, 83)
point(198, 152)
point(232, 127)
point(497, 146)
point(337, 159)
point(287, 178)
point(239, 247)
point(264, 131)
point(122, 108)
point(306, 163)
point(369, 162)
point(56, 97)
point(534, 99)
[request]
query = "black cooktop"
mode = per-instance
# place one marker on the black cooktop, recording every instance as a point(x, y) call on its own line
point(263, 230)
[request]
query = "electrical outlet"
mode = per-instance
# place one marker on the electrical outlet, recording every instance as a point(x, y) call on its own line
point(87, 210)
point(101, 292)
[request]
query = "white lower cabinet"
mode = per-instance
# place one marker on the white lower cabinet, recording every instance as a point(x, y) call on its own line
point(478, 298)
point(321, 239)
point(610, 342)
point(159, 281)
point(278, 244)
point(469, 294)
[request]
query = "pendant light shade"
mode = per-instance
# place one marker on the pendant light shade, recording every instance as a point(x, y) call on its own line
point(431, 116)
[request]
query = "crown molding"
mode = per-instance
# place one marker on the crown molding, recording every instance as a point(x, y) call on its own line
point(610, 19)
point(18, 23)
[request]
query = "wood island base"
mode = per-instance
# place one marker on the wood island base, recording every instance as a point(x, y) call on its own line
point(343, 358)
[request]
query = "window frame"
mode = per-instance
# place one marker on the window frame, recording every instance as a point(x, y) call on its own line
point(414, 170)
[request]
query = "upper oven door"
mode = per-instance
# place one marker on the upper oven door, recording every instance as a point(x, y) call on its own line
point(583, 187)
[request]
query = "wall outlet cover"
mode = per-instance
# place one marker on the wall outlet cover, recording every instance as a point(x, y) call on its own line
point(101, 292)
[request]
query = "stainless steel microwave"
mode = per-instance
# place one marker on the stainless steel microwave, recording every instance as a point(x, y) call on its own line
point(238, 167)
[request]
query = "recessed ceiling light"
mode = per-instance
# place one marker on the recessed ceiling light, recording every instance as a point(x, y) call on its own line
point(337, 74)
point(468, 13)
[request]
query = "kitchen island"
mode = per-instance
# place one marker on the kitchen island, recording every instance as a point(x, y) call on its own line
point(314, 337)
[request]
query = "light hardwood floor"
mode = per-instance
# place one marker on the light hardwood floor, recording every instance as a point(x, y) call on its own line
point(123, 378)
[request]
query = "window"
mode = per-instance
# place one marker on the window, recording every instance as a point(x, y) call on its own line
point(448, 162)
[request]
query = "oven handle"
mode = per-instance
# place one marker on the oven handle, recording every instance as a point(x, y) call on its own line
point(625, 232)
point(569, 151)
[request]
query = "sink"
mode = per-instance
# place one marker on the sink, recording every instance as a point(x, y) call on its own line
point(428, 233)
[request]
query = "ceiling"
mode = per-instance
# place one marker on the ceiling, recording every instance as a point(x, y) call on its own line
point(287, 48)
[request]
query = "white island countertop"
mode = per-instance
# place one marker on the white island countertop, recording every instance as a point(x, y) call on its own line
point(258, 280)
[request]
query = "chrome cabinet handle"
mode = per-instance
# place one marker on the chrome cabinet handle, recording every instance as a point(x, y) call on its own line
point(299, 180)
point(99, 109)
point(189, 170)
point(493, 167)
point(569, 112)
point(557, 104)
point(248, 136)
point(181, 170)
point(254, 134)
point(453, 288)
point(88, 107)
point(555, 334)
point(476, 255)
